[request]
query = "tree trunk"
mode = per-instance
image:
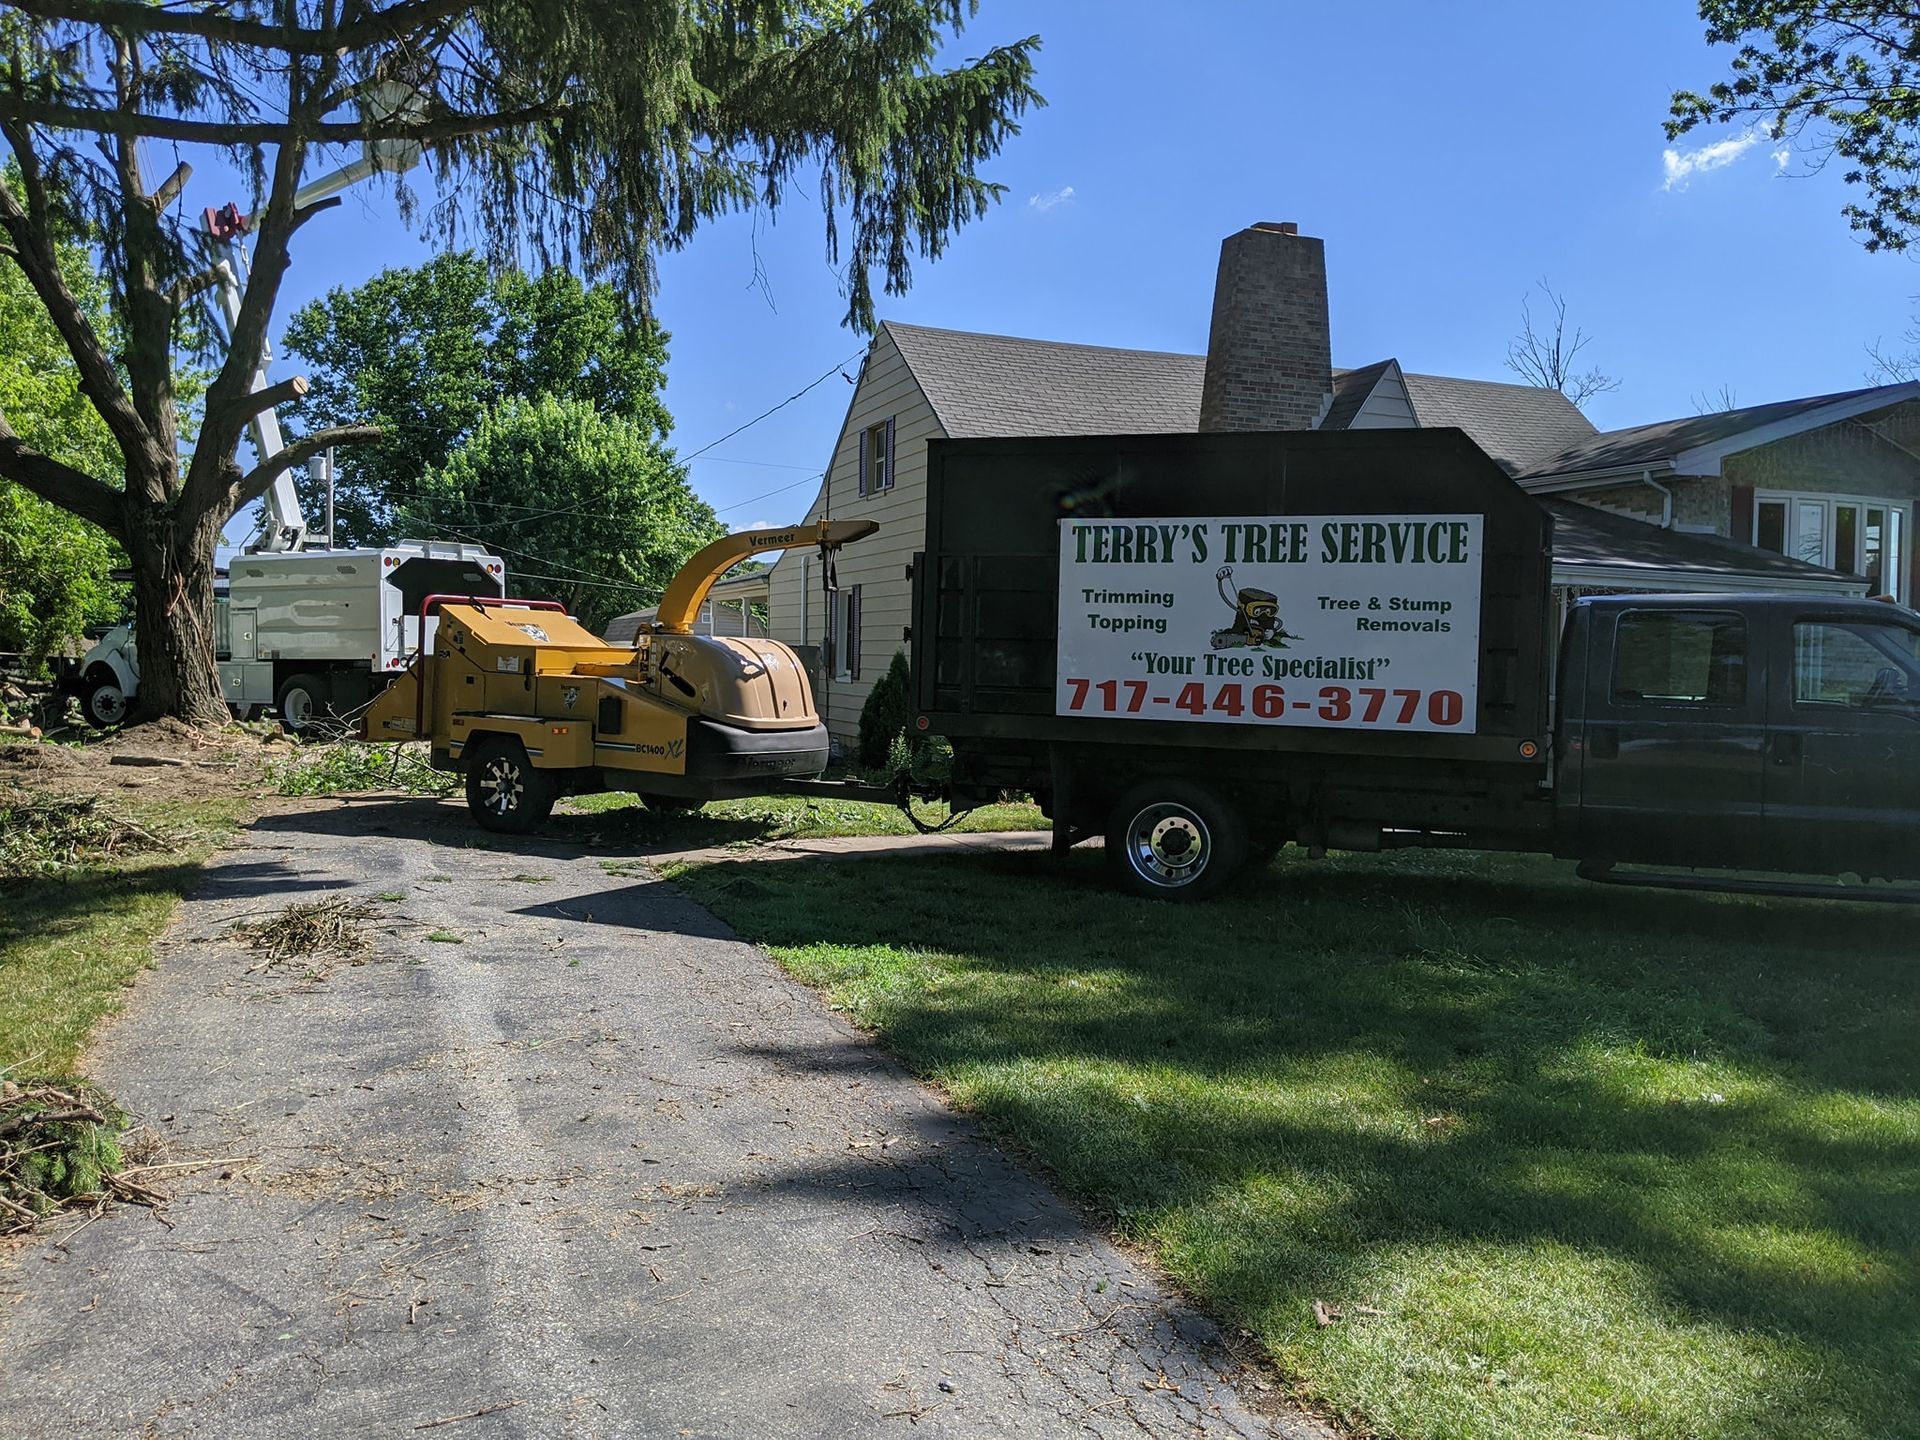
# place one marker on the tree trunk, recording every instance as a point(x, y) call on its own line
point(173, 615)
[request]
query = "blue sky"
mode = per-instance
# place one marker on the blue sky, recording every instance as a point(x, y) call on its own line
point(1450, 156)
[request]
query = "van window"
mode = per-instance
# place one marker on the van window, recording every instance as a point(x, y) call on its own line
point(1669, 658)
point(1854, 665)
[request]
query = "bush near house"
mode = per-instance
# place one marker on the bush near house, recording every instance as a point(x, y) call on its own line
point(887, 713)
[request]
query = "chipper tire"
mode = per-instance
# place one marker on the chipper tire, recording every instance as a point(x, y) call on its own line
point(1174, 840)
point(505, 791)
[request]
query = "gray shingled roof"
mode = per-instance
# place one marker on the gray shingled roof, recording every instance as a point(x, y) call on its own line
point(1518, 425)
point(983, 385)
point(1651, 446)
point(1583, 535)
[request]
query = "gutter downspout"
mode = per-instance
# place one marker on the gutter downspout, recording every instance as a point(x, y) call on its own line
point(1666, 499)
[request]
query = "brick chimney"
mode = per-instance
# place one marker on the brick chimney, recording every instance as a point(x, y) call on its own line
point(1269, 354)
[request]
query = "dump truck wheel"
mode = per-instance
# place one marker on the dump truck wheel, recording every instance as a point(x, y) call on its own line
point(1171, 840)
point(505, 791)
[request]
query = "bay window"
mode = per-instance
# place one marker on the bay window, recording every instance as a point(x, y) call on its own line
point(1851, 534)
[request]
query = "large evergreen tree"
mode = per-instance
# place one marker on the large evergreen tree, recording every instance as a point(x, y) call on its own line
point(424, 352)
point(587, 133)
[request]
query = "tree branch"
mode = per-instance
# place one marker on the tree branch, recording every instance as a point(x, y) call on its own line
point(257, 481)
point(255, 401)
point(143, 124)
point(74, 491)
point(171, 187)
point(188, 286)
point(33, 252)
point(131, 15)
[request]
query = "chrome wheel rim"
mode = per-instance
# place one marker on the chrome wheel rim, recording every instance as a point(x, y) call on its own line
point(1169, 845)
point(108, 704)
point(500, 785)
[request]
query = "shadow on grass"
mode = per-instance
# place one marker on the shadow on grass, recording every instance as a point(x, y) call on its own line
point(632, 830)
point(1441, 1052)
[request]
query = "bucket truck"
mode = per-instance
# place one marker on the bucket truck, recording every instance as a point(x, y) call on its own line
point(299, 625)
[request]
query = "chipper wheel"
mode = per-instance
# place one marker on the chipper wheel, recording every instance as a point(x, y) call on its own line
point(505, 791)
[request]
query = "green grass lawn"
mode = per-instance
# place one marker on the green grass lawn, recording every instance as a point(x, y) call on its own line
point(773, 817)
point(72, 944)
point(1605, 1163)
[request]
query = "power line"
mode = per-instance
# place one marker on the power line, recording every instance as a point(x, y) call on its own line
point(742, 504)
point(835, 370)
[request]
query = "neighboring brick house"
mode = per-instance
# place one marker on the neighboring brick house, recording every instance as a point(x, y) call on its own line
point(1268, 366)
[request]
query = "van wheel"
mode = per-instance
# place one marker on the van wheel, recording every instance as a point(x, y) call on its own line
point(104, 703)
point(505, 791)
point(1172, 840)
point(304, 702)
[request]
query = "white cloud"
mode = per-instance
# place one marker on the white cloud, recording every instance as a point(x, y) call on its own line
point(1046, 199)
point(1782, 158)
point(1682, 165)
point(761, 525)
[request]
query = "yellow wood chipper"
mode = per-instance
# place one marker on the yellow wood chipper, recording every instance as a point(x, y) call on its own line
point(529, 706)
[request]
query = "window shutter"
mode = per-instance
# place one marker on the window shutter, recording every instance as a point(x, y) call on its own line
point(865, 436)
point(1740, 521)
point(853, 633)
point(890, 475)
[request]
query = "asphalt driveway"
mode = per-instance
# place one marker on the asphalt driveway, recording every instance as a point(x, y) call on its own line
point(560, 1157)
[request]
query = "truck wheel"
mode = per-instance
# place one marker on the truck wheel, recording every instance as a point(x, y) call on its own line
point(505, 791)
point(104, 703)
point(303, 702)
point(1171, 840)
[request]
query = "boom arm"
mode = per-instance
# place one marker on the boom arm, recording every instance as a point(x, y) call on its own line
point(681, 604)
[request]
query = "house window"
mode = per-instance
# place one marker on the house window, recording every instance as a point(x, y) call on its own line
point(844, 637)
point(1853, 665)
point(1855, 535)
point(876, 458)
point(1664, 658)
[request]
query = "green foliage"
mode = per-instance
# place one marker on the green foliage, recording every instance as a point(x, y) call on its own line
point(587, 509)
point(53, 567)
point(424, 352)
point(349, 768)
point(887, 713)
point(1840, 76)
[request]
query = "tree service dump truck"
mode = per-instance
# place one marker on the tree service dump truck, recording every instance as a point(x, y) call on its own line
point(1204, 647)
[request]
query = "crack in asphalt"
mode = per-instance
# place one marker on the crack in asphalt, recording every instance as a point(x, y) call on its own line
point(600, 1166)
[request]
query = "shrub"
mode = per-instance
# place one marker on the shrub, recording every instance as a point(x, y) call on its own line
point(887, 713)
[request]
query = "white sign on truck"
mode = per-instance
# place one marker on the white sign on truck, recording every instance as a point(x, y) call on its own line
point(1359, 622)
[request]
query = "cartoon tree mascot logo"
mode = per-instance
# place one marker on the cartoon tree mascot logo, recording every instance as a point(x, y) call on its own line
point(1256, 617)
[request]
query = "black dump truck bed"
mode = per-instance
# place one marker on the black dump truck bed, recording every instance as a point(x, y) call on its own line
point(1376, 593)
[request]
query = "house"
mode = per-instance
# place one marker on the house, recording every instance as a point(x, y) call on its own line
point(1814, 494)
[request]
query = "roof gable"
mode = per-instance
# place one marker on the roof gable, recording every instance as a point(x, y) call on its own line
point(1695, 444)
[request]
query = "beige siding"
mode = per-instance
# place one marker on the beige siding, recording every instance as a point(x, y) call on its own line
point(1387, 407)
point(878, 564)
